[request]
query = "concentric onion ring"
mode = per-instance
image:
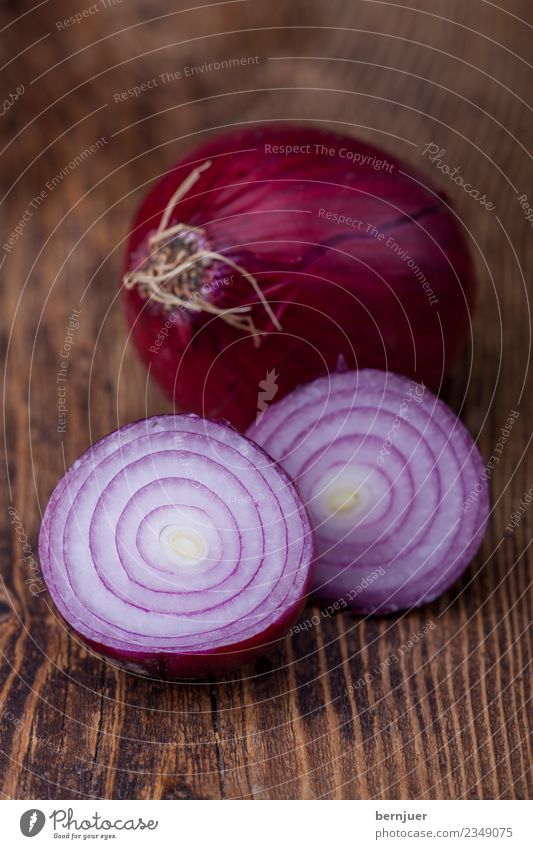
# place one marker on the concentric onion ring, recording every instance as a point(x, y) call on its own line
point(385, 470)
point(177, 547)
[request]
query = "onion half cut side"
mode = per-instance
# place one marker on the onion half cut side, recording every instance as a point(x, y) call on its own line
point(387, 472)
point(176, 547)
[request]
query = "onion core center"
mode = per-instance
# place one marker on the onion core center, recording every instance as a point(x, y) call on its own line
point(342, 499)
point(184, 546)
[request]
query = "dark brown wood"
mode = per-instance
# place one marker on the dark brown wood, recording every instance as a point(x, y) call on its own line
point(330, 715)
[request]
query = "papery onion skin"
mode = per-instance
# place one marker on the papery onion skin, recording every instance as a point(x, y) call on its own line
point(338, 290)
point(368, 441)
point(107, 573)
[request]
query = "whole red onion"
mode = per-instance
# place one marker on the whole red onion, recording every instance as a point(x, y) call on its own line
point(269, 252)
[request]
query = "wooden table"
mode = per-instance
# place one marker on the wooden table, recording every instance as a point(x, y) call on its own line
point(328, 715)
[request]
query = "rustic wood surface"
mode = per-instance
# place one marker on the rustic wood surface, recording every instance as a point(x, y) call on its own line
point(331, 714)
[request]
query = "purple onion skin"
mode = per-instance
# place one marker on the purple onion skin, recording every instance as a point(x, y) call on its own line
point(336, 290)
point(197, 666)
point(165, 663)
point(175, 667)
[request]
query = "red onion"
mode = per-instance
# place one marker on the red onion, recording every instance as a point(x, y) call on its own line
point(177, 547)
point(275, 249)
point(385, 470)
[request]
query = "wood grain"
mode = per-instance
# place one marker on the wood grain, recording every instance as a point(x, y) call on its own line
point(329, 715)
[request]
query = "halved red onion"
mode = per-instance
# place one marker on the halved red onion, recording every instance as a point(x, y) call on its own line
point(385, 469)
point(177, 547)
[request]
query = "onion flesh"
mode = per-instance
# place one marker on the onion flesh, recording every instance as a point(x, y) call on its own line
point(385, 470)
point(176, 547)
